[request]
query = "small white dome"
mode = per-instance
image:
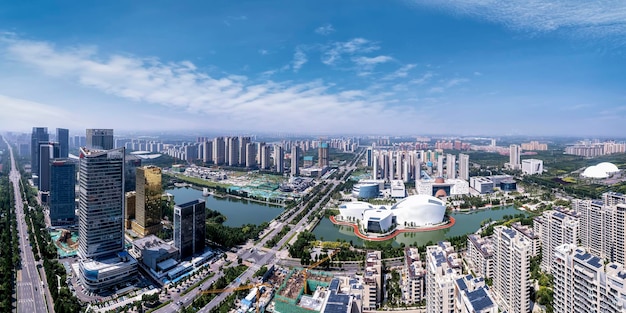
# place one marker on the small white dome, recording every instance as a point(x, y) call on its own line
point(608, 167)
point(594, 172)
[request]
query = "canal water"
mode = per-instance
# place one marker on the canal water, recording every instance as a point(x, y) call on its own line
point(238, 212)
point(465, 223)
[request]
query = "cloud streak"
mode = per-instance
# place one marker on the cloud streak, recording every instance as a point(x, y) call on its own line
point(588, 18)
point(325, 30)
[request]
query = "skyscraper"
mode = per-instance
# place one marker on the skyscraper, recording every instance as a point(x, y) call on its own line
point(322, 153)
point(464, 166)
point(148, 203)
point(63, 138)
point(243, 154)
point(62, 199)
point(46, 153)
point(556, 227)
point(99, 139)
point(279, 158)
point(511, 273)
point(208, 152)
point(451, 166)
point(39, 134)
point(101, 202)
point(514, 157)
point(103, 262)
point(219, 148)
point(189, 228)
point(251, 155)
point(295, 156)
point(265, 156)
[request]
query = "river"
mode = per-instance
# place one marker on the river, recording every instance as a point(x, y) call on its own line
point(465, 223)
point(237, 211)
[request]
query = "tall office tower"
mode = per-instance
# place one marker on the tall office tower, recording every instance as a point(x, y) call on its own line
point(208, 152)
point(451, 166)
point(511, 273)
point(63, 138)
point(219, 151)
point(130, 204)
point(440, 165)
point(62, 200)
point(385, 165)
point(265, 156)
point(45, 155)
point(583, 283)
point(189, 228)
point(464, 166)
point(295, 157)
point(250, 155)
point(405, 171)
point(493, 142)
point(390, 169)
point(103, 262)
point(200, 150)
point(100, 139)
point(557, 227)
point(514, 157)
point(243, 154)
point(443, 268)
point(322, 154)
point(418, 169)
point(148, 204)
point(369, 156)
point(39, 134)
point(76, 141)
point(279, 158)
point(602, 230)
point(131, 163)
point(374, 165)
point(233, 151)
point(101, 202)
point(399, 165)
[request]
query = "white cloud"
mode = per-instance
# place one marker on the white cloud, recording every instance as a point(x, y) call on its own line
point(227, 102)
point(456, 81)
point(263, 52)
point(337, 50)
point(436, 90)
point(299, 59)
point(478, 74)
point(593, 18)
point(324, 30)
point(402, 72)
point(230, 19)
point(19, 112)
point(366, 61)
point(422, 80)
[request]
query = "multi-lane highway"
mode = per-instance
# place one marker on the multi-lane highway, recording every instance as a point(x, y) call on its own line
point(31, 290)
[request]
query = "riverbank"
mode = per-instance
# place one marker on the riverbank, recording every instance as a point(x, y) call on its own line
point(225, 195)
point(395, 233)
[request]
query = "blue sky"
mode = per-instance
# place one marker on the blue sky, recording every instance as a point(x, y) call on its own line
point(467, 67)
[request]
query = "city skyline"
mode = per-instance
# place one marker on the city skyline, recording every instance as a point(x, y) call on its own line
point(398, 67)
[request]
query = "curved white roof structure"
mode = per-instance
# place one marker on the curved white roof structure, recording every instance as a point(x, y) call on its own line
point(419, 210)
point(608, 167)
point(602, 170)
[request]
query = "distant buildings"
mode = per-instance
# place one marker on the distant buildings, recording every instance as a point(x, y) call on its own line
point(279, 158)
point(442, 187)
point(99, 139)
point(148, 203)
point(189, 228)
point(596, 148)
point(322, 152)
point(295, 156)
point(63, 138)
point(534, 146)
point(39, 134)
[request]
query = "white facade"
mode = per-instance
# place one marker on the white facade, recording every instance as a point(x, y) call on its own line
point(514, 157)
point(532, 166)
point(378, 221)
point(464, 166)
point(419, 211)
point(558, 227)
point(443, 268)
point(583, 283)
point(480, 255)
point(511, 275)
point(107, 273)
point(451, 166)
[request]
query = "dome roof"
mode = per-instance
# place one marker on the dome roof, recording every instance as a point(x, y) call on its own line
point(608, 167)
point(595, 172)
point(441, 193)
point(439, 180)
point(417, 200)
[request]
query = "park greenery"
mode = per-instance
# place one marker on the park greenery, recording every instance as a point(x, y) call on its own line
point(230, 274)
point(10, 261)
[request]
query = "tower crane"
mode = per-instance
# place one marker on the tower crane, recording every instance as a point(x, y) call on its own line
point(316, 264)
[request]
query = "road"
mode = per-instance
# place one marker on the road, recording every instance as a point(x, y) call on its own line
point(31, 290)
point(266, 257)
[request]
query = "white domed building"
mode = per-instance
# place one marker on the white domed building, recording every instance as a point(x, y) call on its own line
point(602, 170)
point(412, 211)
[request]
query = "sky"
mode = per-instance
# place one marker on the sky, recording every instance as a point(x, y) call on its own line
point(389, 67)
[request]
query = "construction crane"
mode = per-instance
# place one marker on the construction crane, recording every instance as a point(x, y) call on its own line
point(246, 287)
point(316, 264)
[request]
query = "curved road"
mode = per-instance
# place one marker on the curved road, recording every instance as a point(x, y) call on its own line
point(31, 290)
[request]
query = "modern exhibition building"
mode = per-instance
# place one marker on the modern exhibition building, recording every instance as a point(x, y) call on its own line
point(412, 211)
